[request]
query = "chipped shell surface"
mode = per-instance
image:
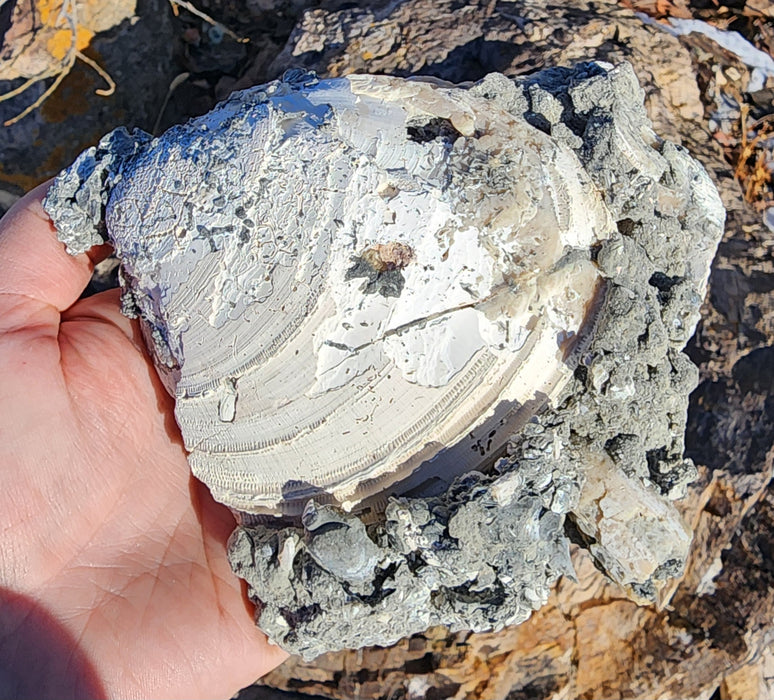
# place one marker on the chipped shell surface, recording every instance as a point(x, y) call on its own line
point(344, 279)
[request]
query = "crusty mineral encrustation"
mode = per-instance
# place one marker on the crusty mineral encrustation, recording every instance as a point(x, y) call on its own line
point(419, 324)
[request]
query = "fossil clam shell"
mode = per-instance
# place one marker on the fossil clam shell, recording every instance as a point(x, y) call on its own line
point(369, 287)
point(344, 280)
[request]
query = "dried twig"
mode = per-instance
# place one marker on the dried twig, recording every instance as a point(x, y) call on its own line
point(19, 90)
point(46, 94)
point(194, 11)
point(104, 92)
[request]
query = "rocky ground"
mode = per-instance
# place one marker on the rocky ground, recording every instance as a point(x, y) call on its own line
point(713, 637)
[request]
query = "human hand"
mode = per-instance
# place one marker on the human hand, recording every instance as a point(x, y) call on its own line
point(113, 574)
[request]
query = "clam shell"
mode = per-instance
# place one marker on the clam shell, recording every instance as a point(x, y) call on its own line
point(365, 287)
point(357, 285)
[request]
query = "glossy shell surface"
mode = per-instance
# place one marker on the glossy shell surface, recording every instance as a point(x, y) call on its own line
point(345, 280)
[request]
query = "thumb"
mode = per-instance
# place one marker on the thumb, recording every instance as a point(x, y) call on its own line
point(38, 278)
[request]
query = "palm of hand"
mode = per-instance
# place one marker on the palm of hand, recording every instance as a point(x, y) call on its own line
point(101, 524)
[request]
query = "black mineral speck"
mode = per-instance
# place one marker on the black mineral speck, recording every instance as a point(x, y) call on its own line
point(388, 283)
point(435, 128)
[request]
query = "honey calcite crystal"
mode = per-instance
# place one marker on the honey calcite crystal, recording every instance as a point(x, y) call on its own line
point(414, 331)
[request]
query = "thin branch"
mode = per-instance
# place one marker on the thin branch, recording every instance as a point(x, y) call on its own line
point(111, 84)
point(194, 11)
point(27, 84)
point(46, 94)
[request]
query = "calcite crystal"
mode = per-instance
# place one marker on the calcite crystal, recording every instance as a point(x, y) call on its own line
point(410, 327)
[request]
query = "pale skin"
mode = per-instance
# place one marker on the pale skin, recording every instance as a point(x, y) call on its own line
point(102, 528)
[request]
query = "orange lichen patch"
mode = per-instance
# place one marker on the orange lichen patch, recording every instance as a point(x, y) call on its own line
point(49, 11)
point(44, 34)
point(55, 16)
point(62, 41)
point(48, 40)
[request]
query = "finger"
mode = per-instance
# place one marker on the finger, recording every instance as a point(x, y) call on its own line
point(36, 273)
point(105, 307)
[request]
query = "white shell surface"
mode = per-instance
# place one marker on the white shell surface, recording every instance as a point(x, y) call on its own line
point(346, 279)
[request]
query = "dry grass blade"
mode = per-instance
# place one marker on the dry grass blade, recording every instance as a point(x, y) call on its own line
point(177, 82)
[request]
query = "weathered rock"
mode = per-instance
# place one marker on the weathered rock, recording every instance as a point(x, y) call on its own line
point(137, 52)
point(40, 38)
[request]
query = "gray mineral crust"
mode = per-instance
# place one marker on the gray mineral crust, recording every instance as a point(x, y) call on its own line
point(595, 454)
